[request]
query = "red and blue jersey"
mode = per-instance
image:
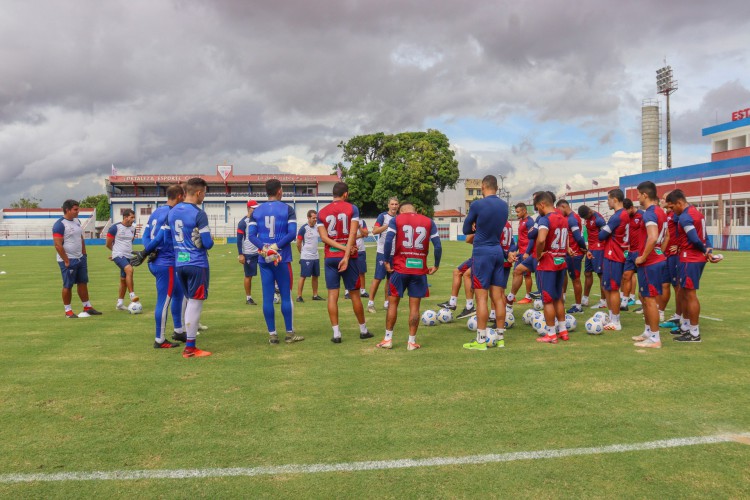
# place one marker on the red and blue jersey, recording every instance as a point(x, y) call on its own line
point(556, 242)
point(575, 238)
point(653, 216)
point(506, 242)
point(411, 233)
point(524, 226)
point(634, 230)
point(594, 223)
point(184, 219)
point(615, 233)
point(336, 218)
point(691, 232)
point(274, 222)
point(674, 237)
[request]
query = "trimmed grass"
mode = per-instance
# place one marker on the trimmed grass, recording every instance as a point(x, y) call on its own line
point(92, 394)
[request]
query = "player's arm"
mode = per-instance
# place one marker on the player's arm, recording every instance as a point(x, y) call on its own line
point(541, 239)
point(58, 237)
point(291, 229)
point(607, 229)
point(379, 226)
point(111, 234)
point(576, 230)
point(241, 229)
point(652, 234)
point(470, 239)
point(533, 236)
point(252, 235)
point(437, 245)
point(470, 220)
point(201, 225)
point(351, 243)
point(692, 235)
point(300, 238)
point(390, 235)
point(363, 231)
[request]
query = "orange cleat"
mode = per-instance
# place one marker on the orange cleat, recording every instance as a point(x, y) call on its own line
point(525, 300)
point(563, 335)
point(194, 352)
point(548, 339)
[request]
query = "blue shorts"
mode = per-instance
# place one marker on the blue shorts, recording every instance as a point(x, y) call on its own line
point(251, 265)
point(690, 274)
point(574, 266)
point(76, 273)
point(507, 271)
point(529, 263)
point(673, 270)
point(122, 263)
point(596, 264)
point(612, 275)
point(380, 272)
point(194, 281)
point(465, 265)
point(550, 284)
point(333, 277)
point(415, 284)
point(487, 269)
point(651, 278)
point(630, 261)
point(309, 267)
point(362, 262)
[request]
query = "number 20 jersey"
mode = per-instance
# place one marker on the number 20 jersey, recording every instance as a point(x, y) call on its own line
point(556, 243)
point(336, 219)
point(413, 233)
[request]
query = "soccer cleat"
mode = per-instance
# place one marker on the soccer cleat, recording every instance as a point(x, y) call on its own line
point(194, 352)
point(202, 328)
point(640, 338)
point(300, 299)
point(686, 337)
point(364, 295)
point(585, 302)
point(563, 336)
point(180, 337)
point(250, 302)
point(670, 323)
point(548, 339)
point(638, 311)
point(412, 346)
point(386, 305)
point(273, 339)
point(346, 296)
point(134, 298)
point(476, 346)
point(575, 310)
point(165, 345)
point(291, 338)
point(466, 313)
point(600, 305)
point(492, 324)
point(121, 307)
point(385, 344)
point(525, 300)
point(70, 315)
point(613, 327)
point(318, 297)
point(336, 340)
point(624, 307)
point(371, 309)
point(447, 305)
point(648, 343)
point(631, 302)
point(678, 331)
point(366, 335)
point(91, 311)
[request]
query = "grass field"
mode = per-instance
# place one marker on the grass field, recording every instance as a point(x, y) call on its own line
point(93, 395)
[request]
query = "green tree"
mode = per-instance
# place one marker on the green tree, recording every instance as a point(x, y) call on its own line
point(26, 203)
point(414, 166)
point(100, 202)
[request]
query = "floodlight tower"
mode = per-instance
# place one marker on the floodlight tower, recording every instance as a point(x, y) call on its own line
point(667, 86)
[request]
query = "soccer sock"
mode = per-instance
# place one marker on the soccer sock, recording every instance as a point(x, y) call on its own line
point(469, 304)
point(363, 328)
point(632, 296)
point(578, 306)
point(86, 304)
point(386, 304)
point(413, 339)
point(511, 297)
point(336, 332)
point(370, 303)
point(549, 330)
point(362, 290)
point(611, 316)
point(616, 319)
point(67, 307)
point(685, 324)
point(120, 302)
point(272, 333)
point(492, 314)
point(481, 336)
point(132, 296)
point(661, 316)
point(248, 297)
point(527, 296)
point(500, 333)
point(453, 301)
point(388, 334)
point(192, 320)
point(695, 330)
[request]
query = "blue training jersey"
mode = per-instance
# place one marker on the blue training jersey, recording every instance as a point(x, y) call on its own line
point(274, 222)
point(490, 215)
point(183, 219)
point(157, 223)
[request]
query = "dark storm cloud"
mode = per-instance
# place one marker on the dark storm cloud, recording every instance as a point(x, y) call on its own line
point(167, 86)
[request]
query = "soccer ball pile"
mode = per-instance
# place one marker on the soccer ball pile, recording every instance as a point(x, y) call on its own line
point(429, 318)
point(528, 316)
point(445, 315)
point(537, 322)
point(135, 308)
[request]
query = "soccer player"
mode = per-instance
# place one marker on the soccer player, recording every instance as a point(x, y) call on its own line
point(362, 233)
point(627, 291)
point(672, 275)
point(615, 233)
point(272, 230)
point(337, 225)
point(594, 256)
point(381, 226)
point(120, 241)
point(694, 252)
point(71, 257)
point(486, 220)
point(552, 248)
point(157, 237)
point(247, 252)
point(462, 273)
point(309, 263)
point(510, 250)
point(650, 261)
point(411, 233)
point(574, 256)
point(191, 238)
point(526, 264)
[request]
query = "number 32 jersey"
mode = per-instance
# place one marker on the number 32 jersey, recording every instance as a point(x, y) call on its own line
point(413, 233)
point(336, 218)
point(556, 243)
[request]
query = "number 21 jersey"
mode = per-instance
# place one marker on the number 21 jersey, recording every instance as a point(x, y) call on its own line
point(336, 218)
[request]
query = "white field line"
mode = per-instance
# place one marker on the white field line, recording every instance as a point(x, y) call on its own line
point(274, 470)
point(712, 319)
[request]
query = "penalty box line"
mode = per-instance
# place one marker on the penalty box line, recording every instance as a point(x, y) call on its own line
point(129, 475)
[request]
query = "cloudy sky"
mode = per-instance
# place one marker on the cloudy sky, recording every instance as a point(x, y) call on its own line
point(543, 92)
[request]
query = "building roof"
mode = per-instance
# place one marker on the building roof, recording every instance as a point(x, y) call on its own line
point(42, 210)
point(217, 179)
point(723, 127)
point(448, 213)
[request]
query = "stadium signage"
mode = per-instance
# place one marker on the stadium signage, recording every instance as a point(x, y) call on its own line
point(157, 178)
point(741, 114)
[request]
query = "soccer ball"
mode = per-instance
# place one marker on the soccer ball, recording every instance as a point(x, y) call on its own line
point(429, 318)
point(528, 316)
point(601, 317)
point(135, 308)
point(510, 320)
point(445, 315)
point(276, 298)
point(492, 337)
point(570, 322)
point(538, 304)
point(594, 327)
point(538, 323)
point(471, 324)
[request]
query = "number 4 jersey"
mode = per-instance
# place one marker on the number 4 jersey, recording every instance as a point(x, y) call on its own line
point(556, 243)
point(413, 233)
point(336, 218)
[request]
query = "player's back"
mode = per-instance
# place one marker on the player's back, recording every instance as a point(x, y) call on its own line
point(555, 243)
point(506, 240)
point(634, 230)
point(158, 221)
point(336, 219)
point(592, 227)
point(691, 217)
point(412, 242)
point(654, 215)
point(490, 215)
point(184, 218)
point(574, 224)
point(617, 243)
point(273, 219)
point(674, 234)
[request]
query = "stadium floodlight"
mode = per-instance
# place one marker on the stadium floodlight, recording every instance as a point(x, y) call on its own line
point(667, 86)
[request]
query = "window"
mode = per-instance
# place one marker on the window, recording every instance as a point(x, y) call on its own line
point(122, 211)
point(735, 213)
point(709, 209)
point(146, 211)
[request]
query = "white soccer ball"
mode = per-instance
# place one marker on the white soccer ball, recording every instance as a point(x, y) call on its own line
point(492, 337)
point(570, 322)
point(601, 317)
point(429, 318)
point(538, 304)
point(135, 308)
point(445, 315)
point(528, 316)
point(510, 320)
point(471, 324)
point(276, 298)
point(594, 327)
point(539, 323)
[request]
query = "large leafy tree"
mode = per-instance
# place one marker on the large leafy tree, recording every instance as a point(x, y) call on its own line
point(414, 166)
point(26, 203)
point(100, 202)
